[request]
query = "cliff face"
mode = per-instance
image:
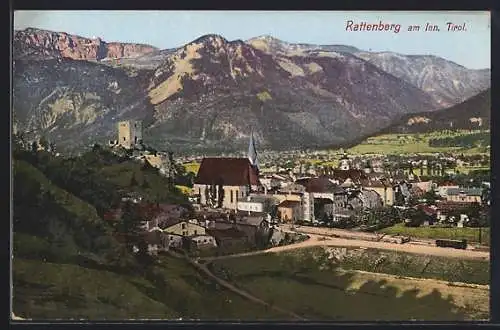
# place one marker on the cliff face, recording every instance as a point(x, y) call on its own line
point(36, 44)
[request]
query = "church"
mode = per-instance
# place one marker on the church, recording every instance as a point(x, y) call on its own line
point(220, 182)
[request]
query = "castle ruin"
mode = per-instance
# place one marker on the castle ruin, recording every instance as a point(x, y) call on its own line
point(129, 134)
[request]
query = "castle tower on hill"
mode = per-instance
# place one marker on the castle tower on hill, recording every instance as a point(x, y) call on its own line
point(129, 133)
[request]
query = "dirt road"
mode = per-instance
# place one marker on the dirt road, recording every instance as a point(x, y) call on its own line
point(322, 240)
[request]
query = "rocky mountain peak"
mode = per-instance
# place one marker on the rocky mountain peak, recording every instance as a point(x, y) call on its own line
point(211, 39)
point(37, 43)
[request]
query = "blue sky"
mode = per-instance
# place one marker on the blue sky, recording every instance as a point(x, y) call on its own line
point(169, 29)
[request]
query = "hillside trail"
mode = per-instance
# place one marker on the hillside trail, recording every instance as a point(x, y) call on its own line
point(203, 268)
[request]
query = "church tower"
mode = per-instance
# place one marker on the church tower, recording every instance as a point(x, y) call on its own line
point(252, 152)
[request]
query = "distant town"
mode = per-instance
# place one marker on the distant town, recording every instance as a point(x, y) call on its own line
point(238, 200)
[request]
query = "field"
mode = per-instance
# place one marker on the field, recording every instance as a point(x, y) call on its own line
point(295, 283)
point(470, 234)
point(174, 289)
point(466, 170)
point(409, 143)
point(192, 167)
point(185, 190)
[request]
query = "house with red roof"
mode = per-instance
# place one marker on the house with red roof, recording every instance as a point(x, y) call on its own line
point(220, 182)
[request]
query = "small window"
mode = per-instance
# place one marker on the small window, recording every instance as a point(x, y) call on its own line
point(183, 226)
point(196, 232)
point(124, 138)
point(184, 233)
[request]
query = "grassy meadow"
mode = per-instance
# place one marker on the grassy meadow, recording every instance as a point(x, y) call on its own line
point(410, 143)
point(192, 167)
point(470, 234)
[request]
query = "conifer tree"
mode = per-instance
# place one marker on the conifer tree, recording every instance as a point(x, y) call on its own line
point(133, 180)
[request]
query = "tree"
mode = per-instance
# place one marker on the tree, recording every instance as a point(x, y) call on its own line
point(148, 167)
point(220, 193)
point(207, 195)
point(416, 217)
point(52, 147)
point(44, 143)
point(399, 198)
point(96, 147)
point(273, 211)
point(34, 147)
point(486, 196)
point(130, 225)
point(431, 197)
point(474, 213)
point(212, 193)
point(133, 180)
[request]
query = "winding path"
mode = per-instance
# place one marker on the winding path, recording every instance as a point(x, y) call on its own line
point(204, 269)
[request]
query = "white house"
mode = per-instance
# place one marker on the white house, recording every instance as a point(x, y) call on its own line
point(256, 203)
point(204, 241)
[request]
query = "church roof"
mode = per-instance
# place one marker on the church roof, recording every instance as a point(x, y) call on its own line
point(227, 171)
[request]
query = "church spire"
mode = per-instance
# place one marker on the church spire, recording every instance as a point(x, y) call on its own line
point(252, 152)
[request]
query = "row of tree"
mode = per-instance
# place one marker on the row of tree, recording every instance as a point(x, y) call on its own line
point(464, 141)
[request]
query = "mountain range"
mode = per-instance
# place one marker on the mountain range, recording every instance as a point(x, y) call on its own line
point(211, 93)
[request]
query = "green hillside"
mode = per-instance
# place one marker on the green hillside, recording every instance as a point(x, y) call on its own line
point(459, 141)
point(53, 224)
point(455, 117)
point(67, 263)
point(172, 289)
